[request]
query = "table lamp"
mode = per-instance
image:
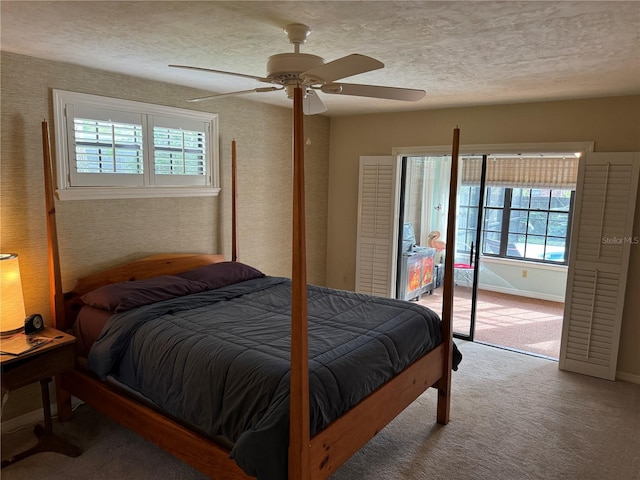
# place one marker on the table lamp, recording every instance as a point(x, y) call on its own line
point(12, 311)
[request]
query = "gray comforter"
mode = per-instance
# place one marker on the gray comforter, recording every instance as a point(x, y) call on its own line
point(219, 360)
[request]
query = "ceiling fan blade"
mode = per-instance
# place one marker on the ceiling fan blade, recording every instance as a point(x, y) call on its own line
point(202, 69)
point(312, 104)
point(374, 91)
point(343, 67)
point(229, 94)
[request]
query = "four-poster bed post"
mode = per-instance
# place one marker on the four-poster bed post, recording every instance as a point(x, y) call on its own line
point(299, 435)
point(55, 290)
point(56, 300)
point(444, 384)
point(234, 203)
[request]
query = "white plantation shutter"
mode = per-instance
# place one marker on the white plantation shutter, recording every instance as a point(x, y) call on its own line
point(377, 226)
point(599, 261)
point(179, 151)
point(106, 146)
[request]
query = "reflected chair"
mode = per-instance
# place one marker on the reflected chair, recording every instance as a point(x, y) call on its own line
point(463, 272)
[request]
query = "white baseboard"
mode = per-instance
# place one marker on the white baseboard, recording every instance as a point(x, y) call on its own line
point(31, 418)
point(628, 377)
point(522, 293)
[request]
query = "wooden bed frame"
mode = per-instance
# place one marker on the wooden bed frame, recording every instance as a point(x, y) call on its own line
point(309, 458)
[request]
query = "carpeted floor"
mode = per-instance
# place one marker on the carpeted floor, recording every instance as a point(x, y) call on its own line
point(521, 323)
point(513, 417)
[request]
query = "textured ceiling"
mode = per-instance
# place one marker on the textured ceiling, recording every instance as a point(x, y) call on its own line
point(462, 53)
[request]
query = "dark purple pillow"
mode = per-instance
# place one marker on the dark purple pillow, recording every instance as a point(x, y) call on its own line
point(220, 274)
point(119, 297)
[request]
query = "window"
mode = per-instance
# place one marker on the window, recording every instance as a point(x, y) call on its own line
point(111, 148)
point(527, 205)
point(467, 218)
point(527, 223)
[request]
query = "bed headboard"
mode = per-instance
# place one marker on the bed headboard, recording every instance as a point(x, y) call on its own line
point(148, 267)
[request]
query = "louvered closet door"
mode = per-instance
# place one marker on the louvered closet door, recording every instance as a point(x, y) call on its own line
point(599, 261)
point(377, 226)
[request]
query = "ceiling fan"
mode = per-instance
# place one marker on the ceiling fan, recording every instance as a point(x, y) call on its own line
point(312, 74)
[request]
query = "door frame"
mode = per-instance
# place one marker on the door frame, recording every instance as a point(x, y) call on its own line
point(476, 255)
point(397, 153)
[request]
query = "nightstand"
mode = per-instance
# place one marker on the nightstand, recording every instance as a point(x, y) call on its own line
point(41, 365)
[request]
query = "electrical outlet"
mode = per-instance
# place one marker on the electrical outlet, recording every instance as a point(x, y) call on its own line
point(524, 273)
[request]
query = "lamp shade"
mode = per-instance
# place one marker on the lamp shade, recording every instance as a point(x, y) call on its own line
point(11, 300)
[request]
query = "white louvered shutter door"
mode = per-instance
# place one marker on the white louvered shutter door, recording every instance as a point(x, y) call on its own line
point(599, 259)
point(377, 226)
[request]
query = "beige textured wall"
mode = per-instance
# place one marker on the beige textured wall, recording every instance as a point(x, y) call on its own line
point(612, 123)
point(100, 233)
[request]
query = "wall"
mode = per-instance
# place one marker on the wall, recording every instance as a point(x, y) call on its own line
point(612, 123)
point(546, 282)
point(97, 234)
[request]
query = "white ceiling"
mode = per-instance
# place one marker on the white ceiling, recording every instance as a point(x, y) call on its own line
point(461, 52)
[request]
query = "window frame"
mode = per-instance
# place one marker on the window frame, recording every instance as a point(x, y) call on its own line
point(178, 186)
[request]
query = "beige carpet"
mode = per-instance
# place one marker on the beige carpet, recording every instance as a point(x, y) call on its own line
point(513, 417)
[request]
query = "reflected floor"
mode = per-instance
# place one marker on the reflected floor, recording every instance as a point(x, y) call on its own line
point(521, 323)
